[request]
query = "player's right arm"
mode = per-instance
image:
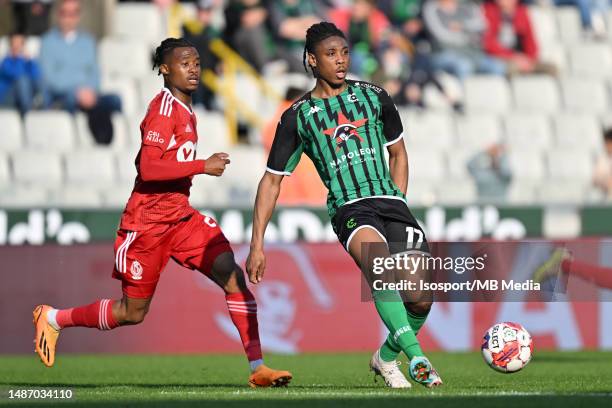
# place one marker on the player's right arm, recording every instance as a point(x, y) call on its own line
point(265, 202)
point(157, 132)
point(284, 156)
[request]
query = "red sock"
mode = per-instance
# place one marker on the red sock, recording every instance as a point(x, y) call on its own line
point(99, 314)
point(600, 275)
point(243, 311)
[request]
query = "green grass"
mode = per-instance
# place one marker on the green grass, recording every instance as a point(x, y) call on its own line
point(551, 379)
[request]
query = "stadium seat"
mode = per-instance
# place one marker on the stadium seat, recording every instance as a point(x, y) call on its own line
point(570, 165)
point(244, 173)
point(11, 133)
point(126, 169)
point(86, 139)
point(457, 161)
point(212, 192)
point(554, 53)
point(76, 197)
point(125, 88)
point(537, 93)
point(544, 25)
point(90, 167)
point(587, 95)
point(527, 131)
point(420, 193)
point(23, 197)
point(133, 130)
point(568, 24)
point(148, 87)
point(432, 130)
point(212, 133)
point(426, 165)
point(456, 192)
point(520, 193)
point(561, 193)
point(435, 100)
point(591, 60)
point(124, 58)
point(40, 168)
point(478, 131)
point(50, 131)
point(116, 196)
point(579, 132)
point(527, 166)
point(139, 21)
point(487, 94)
point(5, 173)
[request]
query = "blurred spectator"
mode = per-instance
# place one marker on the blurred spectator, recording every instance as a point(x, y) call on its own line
point(31, 17)
point(509, 37)
point(404, 15)
point(290, 19)
point(592, 14)
point(491, 171)
point(366, 29)
point(422, 74)
point(70, 70)
point(245, 30)
point(602, 177)
point(20, 77)
point(304, 187)
point(456, 29)
point(200, 33)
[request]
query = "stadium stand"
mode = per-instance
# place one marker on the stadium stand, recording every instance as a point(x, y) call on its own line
point(551, 127)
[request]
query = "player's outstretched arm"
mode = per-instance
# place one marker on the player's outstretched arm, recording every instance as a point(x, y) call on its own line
point(398, 165)
point(267, 194)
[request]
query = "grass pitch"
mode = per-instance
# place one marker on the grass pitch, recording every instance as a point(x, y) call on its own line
point(555, 379)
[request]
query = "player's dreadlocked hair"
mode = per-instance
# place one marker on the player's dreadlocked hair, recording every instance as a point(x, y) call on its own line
point(317, 33)
point(166, 47)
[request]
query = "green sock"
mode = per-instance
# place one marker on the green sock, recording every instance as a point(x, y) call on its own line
point(392, 312)
point(390, 349)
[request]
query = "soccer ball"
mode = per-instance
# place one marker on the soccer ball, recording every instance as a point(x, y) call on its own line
point(507, 347)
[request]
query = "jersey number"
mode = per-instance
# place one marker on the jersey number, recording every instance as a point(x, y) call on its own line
point(410, 244)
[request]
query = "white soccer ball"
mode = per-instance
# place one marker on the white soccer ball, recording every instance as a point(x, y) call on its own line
point(507, 347)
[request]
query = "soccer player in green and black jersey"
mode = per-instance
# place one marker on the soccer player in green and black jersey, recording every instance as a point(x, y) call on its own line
point(344, 127)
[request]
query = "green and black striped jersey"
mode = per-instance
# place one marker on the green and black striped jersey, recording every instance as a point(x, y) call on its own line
point(345, 137)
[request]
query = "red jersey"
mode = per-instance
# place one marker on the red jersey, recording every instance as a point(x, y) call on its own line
point(165, 165)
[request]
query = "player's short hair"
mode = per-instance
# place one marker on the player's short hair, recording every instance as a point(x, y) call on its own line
point(166, 48)
point(607, 134)
point(317, 33)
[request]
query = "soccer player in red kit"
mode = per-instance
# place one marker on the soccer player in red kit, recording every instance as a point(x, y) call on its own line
point(158, 224)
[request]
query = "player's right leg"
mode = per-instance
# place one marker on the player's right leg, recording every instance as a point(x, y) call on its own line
point(103, 314)
point(139, 258)
point(393, 313)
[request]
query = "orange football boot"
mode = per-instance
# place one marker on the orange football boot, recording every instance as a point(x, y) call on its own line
point(46, 336)
point(267, 377)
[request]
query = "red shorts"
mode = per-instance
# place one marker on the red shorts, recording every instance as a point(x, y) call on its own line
point(140, 256)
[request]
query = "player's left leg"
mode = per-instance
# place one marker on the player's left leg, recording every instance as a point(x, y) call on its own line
point(242, 308)
point(201, 245)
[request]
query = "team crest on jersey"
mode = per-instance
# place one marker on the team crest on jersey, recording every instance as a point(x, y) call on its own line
point(345, 130)
point(136, 270)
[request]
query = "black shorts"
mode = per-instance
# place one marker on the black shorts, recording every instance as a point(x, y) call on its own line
point(391, 218)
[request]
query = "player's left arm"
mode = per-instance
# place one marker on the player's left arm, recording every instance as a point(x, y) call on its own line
point(394, 141)
point(398, 165)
